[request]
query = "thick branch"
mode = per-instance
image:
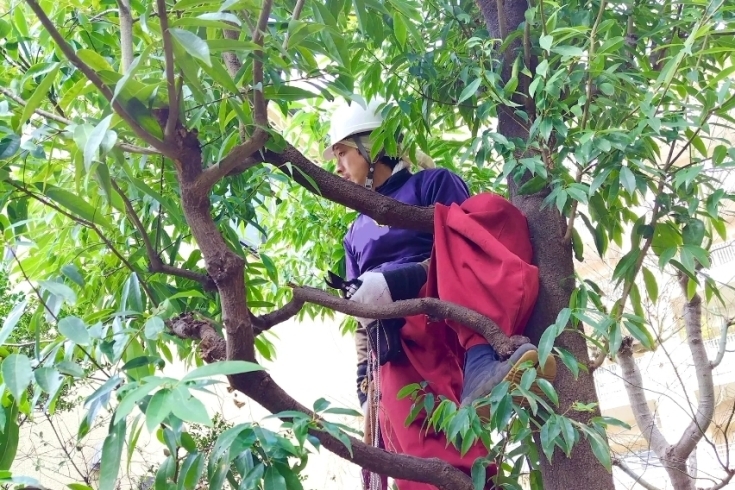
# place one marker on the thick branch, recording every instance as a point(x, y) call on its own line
point(706, 405)
point(261, 388)
point(168, 51)
point(270, 320)
point(126, 34)
point(637, 479)
point(432, 307)
point(260, 113)
point(212, 346)
point(642, 413)
point(155, 263)
point(384, 210)
point(97, 81)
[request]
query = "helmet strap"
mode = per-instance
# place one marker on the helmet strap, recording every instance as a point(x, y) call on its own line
point(366, 156)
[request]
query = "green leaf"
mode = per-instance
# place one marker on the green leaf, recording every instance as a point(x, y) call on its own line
point(545, 344)
point(407, 390)
point(71, 271)
point(154, 326)
point(193, 44)
point(479, 474)
point(545, 42)
point(92, 146)
point(400, 30)
point(112, 450)
point(627, 178)
point(61, 290)
point(226, 368)
point(12, 320)
point(17, 374)
point(651, 285)
point(94, 60)
point(189, 408)
point(569, 360)
point(191, 471)
point(70, 368)
point(49, 379)
point(38, 96)
point(469, 90)
point(641, 333)
point(548, 390)
point(273, 479)
point(693, 233)
point(75, 204)
point(10, 435)
point(599, 448)
point(9, 146)
point(75, 330)
point(158, 409)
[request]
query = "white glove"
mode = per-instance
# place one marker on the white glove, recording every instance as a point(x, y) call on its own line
point(373, 291)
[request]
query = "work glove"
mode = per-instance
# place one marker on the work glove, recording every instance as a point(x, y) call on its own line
point(374, 291)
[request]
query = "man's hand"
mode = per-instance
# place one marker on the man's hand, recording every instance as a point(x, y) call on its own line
point(374, 291)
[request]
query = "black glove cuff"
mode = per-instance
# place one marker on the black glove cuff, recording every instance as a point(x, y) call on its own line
point(406, 281)
point(361, 378)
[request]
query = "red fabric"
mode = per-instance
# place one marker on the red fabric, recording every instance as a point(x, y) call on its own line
point(481, 260)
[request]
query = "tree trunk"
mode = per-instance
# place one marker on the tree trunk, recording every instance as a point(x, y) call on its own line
point(553, 256)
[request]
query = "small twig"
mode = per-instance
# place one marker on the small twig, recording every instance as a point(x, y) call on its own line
point(431, 307)
point(94, 228)
point(168, 50)
point(97, 81)
point(53, 315)
point(593, 34)
point(69, 457)
point(636, 478)
point(154, 260)
point(573, 212)
point(269, 320)
point(55, 117)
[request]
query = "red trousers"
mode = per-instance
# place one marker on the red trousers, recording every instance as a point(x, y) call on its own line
point(481, 260)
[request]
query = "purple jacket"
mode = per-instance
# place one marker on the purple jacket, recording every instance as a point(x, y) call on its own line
point(372, 247)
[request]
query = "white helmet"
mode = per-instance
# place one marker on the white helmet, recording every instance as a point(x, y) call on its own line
point(352, 119)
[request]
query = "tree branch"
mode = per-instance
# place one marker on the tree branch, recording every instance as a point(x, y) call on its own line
point(725, 481)
point(155, 263)
point(168, 51)
point(726, 324)
point(384, 210)
point(213, 174)
point(634, 387)
point(126, 34)
point(97, 81)
point(637, 479)
point(270, 320)
point(94, 228)
point(431, 307)
point(295, 16)
point(706, 405)
point(261, 388)
point(62, 120)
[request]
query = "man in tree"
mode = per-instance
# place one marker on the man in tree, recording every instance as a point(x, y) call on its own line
point(481, 260)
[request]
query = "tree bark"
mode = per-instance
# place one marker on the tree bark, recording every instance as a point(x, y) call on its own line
point(553, 256)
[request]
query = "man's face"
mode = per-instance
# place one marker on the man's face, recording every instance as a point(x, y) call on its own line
point(350, 164)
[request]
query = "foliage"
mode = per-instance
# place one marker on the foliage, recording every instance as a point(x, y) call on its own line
point(625, 102)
